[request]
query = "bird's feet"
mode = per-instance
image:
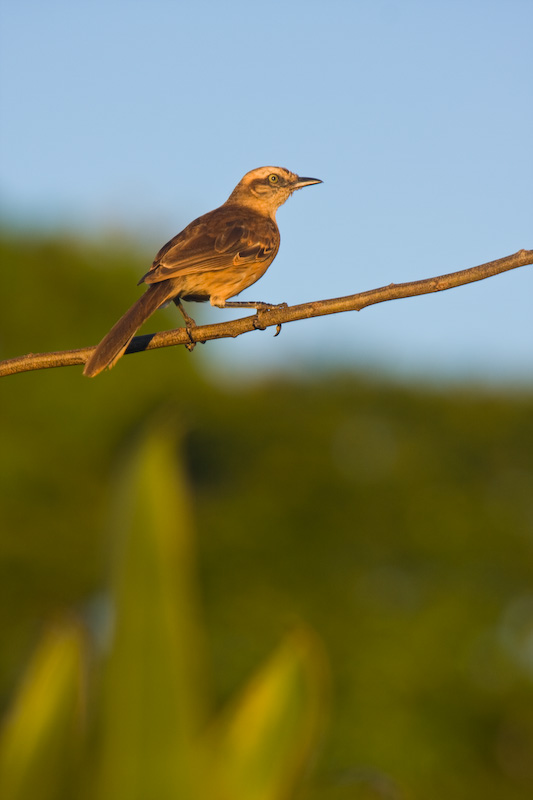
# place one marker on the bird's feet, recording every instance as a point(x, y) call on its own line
point(263, 309)
point(191, 344)
point(189, 324)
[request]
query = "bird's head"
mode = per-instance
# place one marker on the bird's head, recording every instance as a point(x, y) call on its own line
point(267, 188)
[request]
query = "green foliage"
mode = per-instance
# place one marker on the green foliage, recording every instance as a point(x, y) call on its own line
point(396, 521)
point(154, 734)
point(37, 752)
point(263, 741)
point(152, 711)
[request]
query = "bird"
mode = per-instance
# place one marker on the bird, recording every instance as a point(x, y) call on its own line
point(214, 258)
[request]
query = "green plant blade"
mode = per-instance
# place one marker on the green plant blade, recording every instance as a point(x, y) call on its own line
point(264, 741)
point(154, 696)
point(38, 742)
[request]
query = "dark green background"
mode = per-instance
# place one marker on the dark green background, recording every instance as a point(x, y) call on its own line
point(395, 520)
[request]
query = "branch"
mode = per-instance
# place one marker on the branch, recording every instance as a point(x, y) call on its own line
point(276, 316)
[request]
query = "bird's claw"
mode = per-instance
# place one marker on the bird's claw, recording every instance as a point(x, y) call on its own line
point(265, 309)
point(191, 344)
point(257, 325)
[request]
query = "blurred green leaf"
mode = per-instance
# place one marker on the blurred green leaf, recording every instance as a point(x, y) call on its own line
point(265, 740)
point(154, 693)
point(38, 742)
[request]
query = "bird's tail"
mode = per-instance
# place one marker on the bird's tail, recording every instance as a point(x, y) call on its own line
point(115, 343)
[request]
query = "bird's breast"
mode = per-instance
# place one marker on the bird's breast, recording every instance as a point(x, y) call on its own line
point(220, 285)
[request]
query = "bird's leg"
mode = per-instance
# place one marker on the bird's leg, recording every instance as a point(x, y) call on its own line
point(259, 306)
point(189, 323)
point(189, 320)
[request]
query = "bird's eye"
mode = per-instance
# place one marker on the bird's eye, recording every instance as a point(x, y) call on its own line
point(273, 178)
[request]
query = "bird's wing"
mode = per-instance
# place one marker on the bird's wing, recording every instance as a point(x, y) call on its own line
point(216, 241)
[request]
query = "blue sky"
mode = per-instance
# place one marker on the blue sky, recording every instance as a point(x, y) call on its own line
point(418, 117)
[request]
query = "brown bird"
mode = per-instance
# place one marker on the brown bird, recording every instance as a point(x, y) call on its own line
point(214, 258)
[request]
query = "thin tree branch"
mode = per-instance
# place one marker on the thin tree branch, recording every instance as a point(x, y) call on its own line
point(276, 316)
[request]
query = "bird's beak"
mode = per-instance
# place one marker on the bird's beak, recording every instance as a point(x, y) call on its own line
point(301, 182)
